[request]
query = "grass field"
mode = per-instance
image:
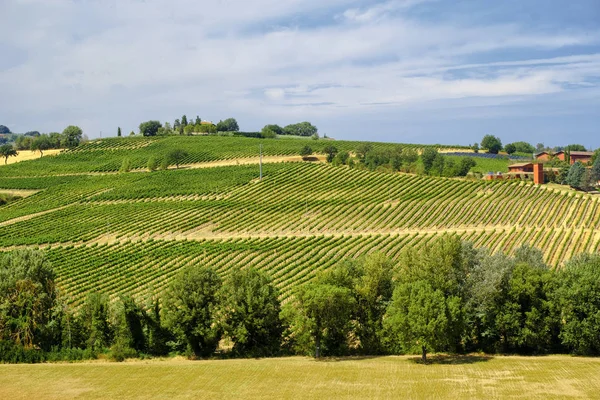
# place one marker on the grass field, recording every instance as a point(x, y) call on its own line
point(552, 377)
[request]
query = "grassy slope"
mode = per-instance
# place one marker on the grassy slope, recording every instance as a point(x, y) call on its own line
point(556, 377)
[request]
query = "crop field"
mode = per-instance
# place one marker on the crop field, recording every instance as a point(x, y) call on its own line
point(552, 377)
point(131, 232)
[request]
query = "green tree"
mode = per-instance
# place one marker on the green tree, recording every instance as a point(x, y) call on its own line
point(465, 165)
point(152, 164)
point(125, 165)
point(438, 165)
point(184, 121)
point(417, 320)
point(578, 299)
point(575, 147)
point(577, 176)
point(510, 148)
point(4, 130)
point(275, 128)
point(119, 131)
point(491, 143)
point(190, 307)
point(300, 129)
point(176, 156)
point(7, 150)
point(321, 319)
point(95, 321)
point(331, 151)
point(28, 299)
point(198, 121)
point(595, 172)
point(71, 136)
point(41, 143)
point(305, 152)
point(268, 133)
point(250, 313)
point(363, 149)
point(524, 147)
point(229, 125)
point(428, 157)
point(150, 128)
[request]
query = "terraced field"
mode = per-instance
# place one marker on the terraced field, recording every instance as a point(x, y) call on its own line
point(130, 233)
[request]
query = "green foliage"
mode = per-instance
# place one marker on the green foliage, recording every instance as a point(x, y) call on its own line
point(176, 156)
point(250, 313)
point(578, 298)
point(300, 129)
point(577, 177)
point(491, 143)
point(510, 148)
point(268, 133)
point(152, 164)
point(119, 131)
point(150, 128)
point(595, 172)
point(305, 151)
point(331, 151)
point(71, 136)
point(278, 130)
point(96, 329)
point(190, 307)
point(7, 150)
point(574, 147)
point(428, 157)
point(417, 318)
point(524, 147)
point(229, 125)
point(41, 143)
point(125, 165)
point(28, 298)
point(4, 130)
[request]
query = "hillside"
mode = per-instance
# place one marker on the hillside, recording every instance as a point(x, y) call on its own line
point(131, 232)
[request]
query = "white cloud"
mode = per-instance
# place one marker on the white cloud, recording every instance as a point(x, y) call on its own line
point(100, 62)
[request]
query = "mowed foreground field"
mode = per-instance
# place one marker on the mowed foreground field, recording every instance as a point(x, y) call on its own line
point(302, 378)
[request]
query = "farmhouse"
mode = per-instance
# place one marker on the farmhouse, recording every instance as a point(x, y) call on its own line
point(543, 156)
point(574, 156)
point(521, 167)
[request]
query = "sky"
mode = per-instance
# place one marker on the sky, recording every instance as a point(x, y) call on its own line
point(418, 71)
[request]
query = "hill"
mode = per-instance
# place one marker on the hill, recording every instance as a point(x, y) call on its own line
point(131, 232)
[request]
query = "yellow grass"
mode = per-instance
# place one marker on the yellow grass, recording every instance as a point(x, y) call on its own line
point(550, 377)
point(25, 155)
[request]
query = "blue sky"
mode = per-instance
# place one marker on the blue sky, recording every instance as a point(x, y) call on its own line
point(424, 71)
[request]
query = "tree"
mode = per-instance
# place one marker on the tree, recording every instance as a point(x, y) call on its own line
point(524, 147)
point(575, 147)
point(41, 143)
point(275, 128)
point(198, 121)
point(250, 313)
point(150, 128)
point(190, 306)
point(95, 320)
point(438, 165)
point(491, 143)
point(176, 156)
point(416, 319)
point(363, 149)
point(7, 150)
point(32, 133)
point(331, 151)
point(184, 121)
point(475, 148)
point(428, 157)
point(305, 152)
point(152, 164)
point(268, 133)
point(540, 147)
point(322, 318)
point(125, 165)
point(577, 176)
point(465, 166)
point(300, 129)
point(510, 148)
point(578, 299)
point(28, 298)
point(71, 136)
point(229, 125)
point(132, 133)
point(4, 130)
point(119, 131)
point(595, 172)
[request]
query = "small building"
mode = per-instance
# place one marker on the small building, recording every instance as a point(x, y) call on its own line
point(560, 155)
point(543, 156)
point(581, 156)
point(521, 167)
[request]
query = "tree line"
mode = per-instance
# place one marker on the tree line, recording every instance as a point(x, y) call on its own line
point(428, 162)
point(70, 137)
point(445, 297)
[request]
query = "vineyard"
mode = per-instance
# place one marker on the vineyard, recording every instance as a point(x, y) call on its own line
point(131, 232)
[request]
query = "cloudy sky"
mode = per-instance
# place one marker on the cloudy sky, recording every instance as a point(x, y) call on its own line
point(423, 71)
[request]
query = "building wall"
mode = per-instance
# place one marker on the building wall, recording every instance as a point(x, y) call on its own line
point(583, 159)
point(538, 174)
